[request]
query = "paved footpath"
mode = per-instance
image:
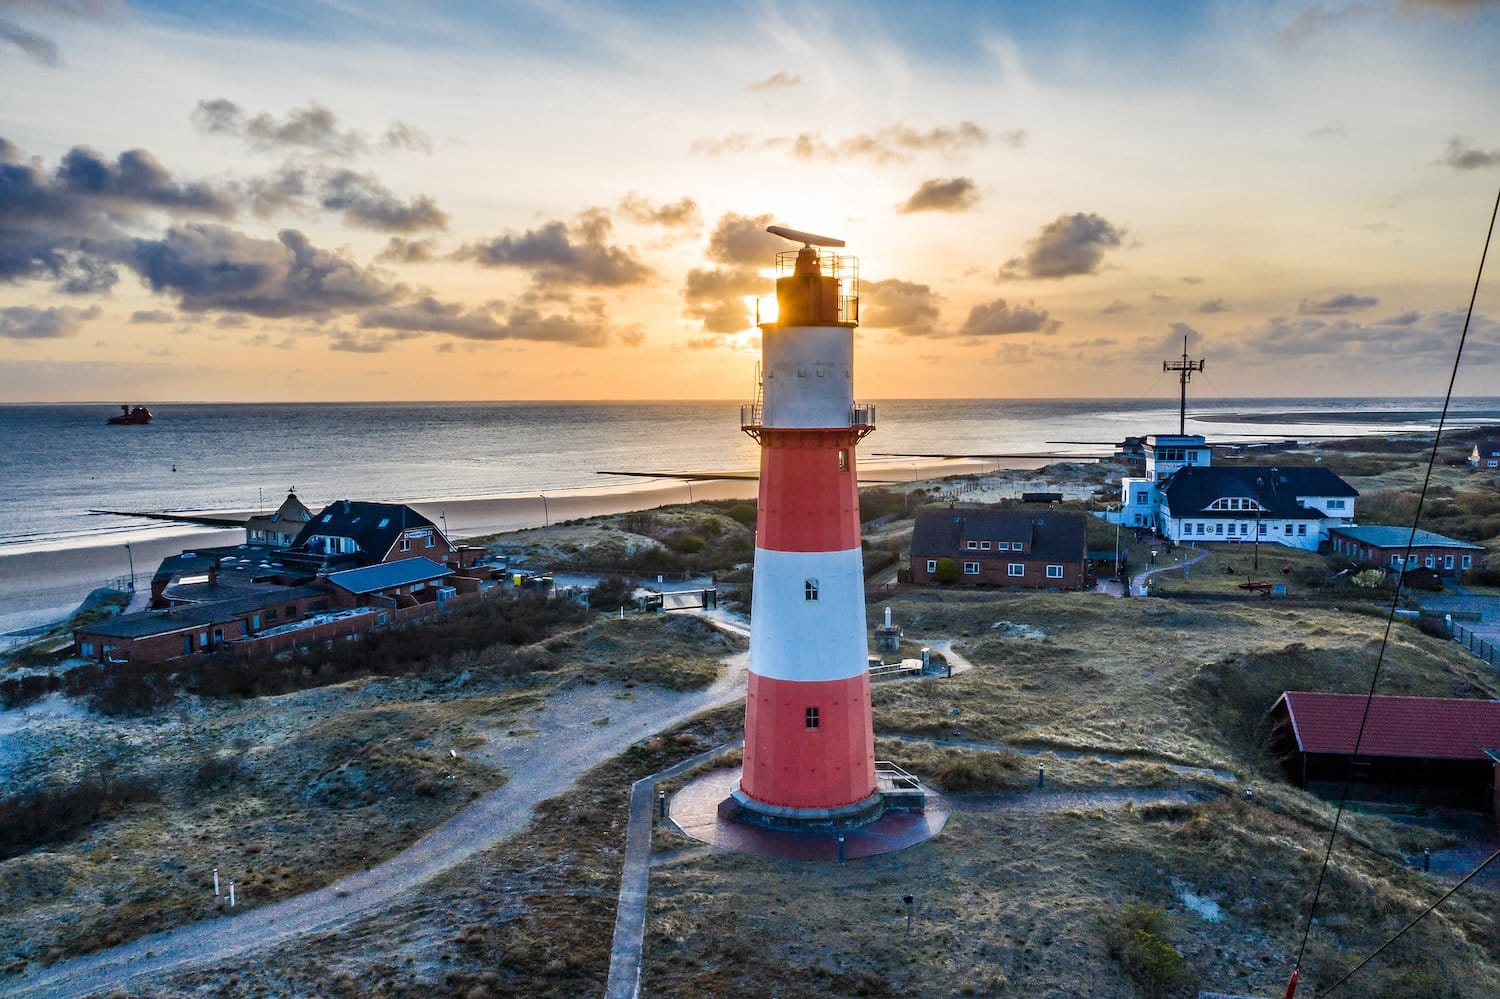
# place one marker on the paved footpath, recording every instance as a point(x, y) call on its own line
point(491, 818)
point(1138, 581)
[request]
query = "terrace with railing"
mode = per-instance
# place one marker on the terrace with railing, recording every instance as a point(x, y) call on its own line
point(861, 418)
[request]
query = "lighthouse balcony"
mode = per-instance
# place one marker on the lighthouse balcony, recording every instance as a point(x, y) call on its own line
point(861, 418)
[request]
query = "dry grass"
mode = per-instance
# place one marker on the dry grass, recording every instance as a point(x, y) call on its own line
point(675, 651)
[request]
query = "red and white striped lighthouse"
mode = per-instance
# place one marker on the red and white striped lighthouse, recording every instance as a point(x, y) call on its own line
point(809, 739)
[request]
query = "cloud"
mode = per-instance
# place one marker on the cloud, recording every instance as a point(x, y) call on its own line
point(282, 190)
point(39, 47)
point(1115, 307)
point(346, 341)
point(1335, 305)
point(400, 135)
point(1408, 340)
point(892, 144)
point(716, 297)
point(1327, 131)
point(62, 225)
point(30, 322)
point(1462, 154)
point(998, 318)
point(1191, 279)
point(900, 305)
point(140, 316)
point(1068, 245)
point(557, 254)
point(742, 239)
point(399, 250)
point(1214, 305)
point(957, 194)
point(679, 214)
point(776, 81)
point(735, 142)
point(313, 129)
point(210, 267)
point(368, 204)
point(586, 326)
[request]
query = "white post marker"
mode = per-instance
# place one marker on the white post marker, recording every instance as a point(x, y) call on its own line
point(216, 882)
point(231, 893)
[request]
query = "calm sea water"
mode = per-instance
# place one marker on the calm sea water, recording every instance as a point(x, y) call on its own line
point(58, 462)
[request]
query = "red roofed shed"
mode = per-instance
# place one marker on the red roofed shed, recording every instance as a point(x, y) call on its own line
point(1431, 750)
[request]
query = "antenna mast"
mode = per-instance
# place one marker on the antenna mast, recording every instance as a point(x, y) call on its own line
point(1185, 369)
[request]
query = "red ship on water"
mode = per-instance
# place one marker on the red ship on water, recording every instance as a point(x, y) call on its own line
point(139, 416)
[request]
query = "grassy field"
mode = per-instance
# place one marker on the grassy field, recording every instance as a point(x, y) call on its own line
point(1007, 903)
point(286, 793)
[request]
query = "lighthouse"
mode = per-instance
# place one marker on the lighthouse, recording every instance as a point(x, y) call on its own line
point(809, 755)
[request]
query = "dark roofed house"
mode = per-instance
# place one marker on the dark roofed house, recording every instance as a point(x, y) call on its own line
point(1486, 453)
point(1003, 547)
point(279, 529)
point(1386, 547)
point(195, 629)
point(1432, 750)
point(1293, 507)
point(353, 533)
point(404, 583)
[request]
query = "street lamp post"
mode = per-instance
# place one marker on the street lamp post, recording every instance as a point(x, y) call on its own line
point(1258, 484)
point(131, 556)
point(1119, 516)
point(545, 515)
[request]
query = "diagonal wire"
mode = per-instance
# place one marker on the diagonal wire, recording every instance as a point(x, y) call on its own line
point(1395, 600)
point(1427, 911)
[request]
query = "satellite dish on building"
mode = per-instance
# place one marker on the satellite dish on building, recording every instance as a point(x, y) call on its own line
point(806, 238)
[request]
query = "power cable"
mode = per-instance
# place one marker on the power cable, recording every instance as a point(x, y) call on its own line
point(1391, 618)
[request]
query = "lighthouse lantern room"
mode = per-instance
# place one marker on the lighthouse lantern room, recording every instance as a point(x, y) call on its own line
point(809, 740)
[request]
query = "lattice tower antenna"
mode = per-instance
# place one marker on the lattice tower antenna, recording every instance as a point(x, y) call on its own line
point(1185, 369)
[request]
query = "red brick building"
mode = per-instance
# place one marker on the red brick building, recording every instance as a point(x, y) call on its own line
point(352, 533)
point(1003, 547)
point(191, 630)
point(1386, 548)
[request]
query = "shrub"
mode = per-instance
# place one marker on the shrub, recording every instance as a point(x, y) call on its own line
point(685, 543)
point(53, 814)
point(946, 571)
point(742, 512)
point(1136, 937)
point(612, 593)
point(213, 770)
point(14, 692)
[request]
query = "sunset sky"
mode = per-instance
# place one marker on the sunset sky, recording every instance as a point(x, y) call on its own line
point(348, 200)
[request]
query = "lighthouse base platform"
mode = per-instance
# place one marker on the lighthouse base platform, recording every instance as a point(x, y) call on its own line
point(709, 810)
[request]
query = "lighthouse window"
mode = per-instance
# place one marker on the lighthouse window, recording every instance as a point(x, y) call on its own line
point(843, 457)
point(812, 717)
point(810, 589)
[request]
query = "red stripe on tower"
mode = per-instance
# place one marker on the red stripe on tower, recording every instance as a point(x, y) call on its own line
point(809, 737)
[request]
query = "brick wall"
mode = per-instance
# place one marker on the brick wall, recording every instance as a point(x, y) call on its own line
point(995, 571)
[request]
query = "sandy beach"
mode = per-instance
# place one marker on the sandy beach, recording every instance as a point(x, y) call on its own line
point(40, 585)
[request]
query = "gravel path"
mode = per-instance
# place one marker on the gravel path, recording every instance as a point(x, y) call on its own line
point(1138, 581)
point(536, 773)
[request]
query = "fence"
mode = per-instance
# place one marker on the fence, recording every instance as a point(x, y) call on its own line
point(1481, 647)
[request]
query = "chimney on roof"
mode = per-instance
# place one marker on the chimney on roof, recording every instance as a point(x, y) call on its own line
point(346, 506)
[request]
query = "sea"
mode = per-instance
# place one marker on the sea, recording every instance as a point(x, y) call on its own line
point(59, 462)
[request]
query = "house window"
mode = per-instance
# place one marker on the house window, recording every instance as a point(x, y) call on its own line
point(1016, 569)
point(809, 589)
point(971, 545)
point(86, 649)
point(1054, 572)
point(406, 544)
point(1447, 561)
point(1468, 561)
point(1202, 528)
point(1262, 526)
point(202, 639)
point(270, 613)
point(932, 565)
point(1395, 561)
point(1431, 562)
point(984, 545)
point(1335, 504)
point(431, 541)
point(1411, 561)
point(811, 714)
point(843, 459)
point(1234, 528)
point(971, 568)
point(1017, 546)
point(1141, 498)
point(1289, 528)
point(1219, 528)
point(255, 621)
point(1301, 530)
